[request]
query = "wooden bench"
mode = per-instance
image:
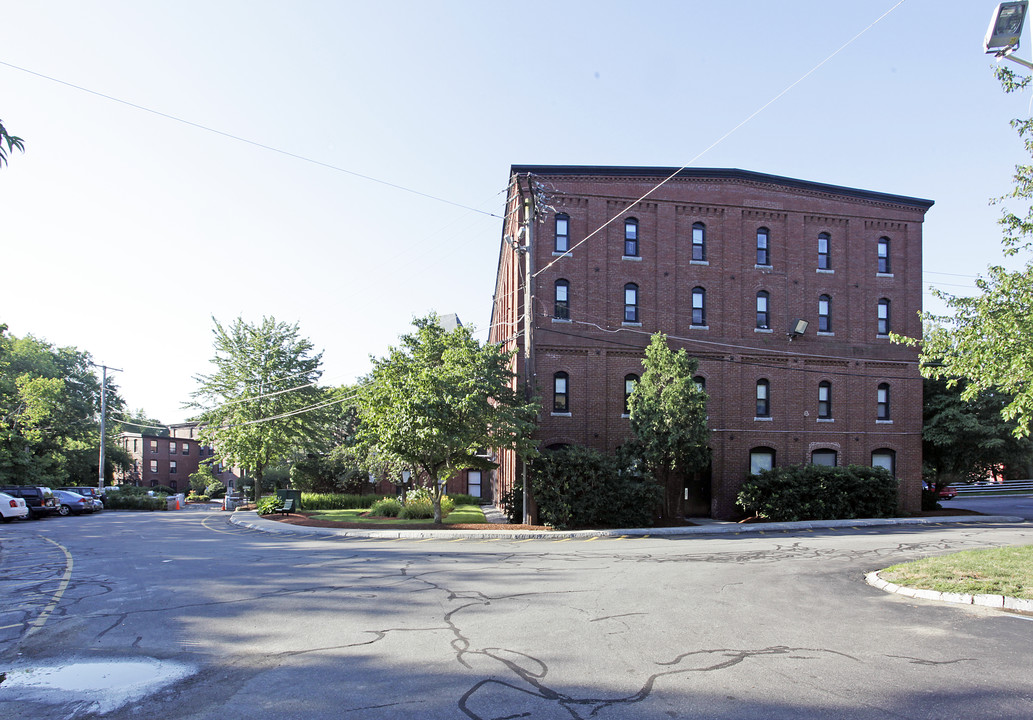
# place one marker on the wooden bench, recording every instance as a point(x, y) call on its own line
point(288, 507)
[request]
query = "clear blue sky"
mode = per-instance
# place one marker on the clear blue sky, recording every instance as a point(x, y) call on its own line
point(123, 232)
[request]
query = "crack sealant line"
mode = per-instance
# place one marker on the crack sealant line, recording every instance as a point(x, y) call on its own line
point(65, 579)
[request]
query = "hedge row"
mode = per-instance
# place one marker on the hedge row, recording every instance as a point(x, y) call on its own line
point(819, 492)
point(580, 487)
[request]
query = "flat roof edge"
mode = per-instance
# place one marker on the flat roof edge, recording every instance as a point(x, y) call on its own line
point(718, 174)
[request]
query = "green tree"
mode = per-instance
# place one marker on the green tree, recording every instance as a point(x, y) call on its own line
point(668, 412)
point(261, 404)
point(12, 142)
point(49, 414)
point(139, 421)
point(200, 480)
point(967, 440)
point(987, 340)
point(439, 398)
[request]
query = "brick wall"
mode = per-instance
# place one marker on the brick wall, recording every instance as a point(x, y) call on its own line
point(597, 348)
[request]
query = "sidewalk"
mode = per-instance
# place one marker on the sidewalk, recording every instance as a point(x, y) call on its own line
point(704, 526)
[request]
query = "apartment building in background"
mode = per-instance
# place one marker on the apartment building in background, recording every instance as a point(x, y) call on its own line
point(785, 290)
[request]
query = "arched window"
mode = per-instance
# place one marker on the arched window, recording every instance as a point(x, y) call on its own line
point(561, 308)
point(824, 314)
point(884, 317)
point(824, 399)
point(824, 258)
point(629, 386)
point(560, 393)
point(699, 306)
point(631, 303)
point(886, 459)
point(699, 241)
point(701, 382)
point(763, 316)
point(763, 399)
point(631, 237)
point(824, 457)
point(763, 249)
point(562, 233)
point(882, 402)
point(883, 254)
point(761, 459)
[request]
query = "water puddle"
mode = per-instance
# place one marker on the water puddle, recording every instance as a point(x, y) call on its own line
point(97, 687)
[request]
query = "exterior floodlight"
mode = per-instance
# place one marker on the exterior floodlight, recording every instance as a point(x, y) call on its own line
point(799, 328)
point(1002, 37)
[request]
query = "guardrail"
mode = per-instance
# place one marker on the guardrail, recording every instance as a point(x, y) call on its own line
point(1010, 487)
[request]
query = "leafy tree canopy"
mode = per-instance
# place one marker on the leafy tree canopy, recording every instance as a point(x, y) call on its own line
point(987, 340)
point(12, 141)
point(668, 412)
point(50, 413)
point(967, 440)
point(261, 403)
point(439, 398)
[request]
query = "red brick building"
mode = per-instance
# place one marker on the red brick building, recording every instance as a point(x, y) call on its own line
point(727, 263)
point(169, 460)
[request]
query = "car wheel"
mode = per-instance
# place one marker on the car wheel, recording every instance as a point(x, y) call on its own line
point(8, 519)
point(64, 510)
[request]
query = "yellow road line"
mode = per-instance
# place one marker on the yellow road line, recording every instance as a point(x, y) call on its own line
point(592, 538)
point(43, 616)
point(561, 540)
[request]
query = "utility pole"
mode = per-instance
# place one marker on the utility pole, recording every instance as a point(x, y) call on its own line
point(528, 250)
point(103, 417)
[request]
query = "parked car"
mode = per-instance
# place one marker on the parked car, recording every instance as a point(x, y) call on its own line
point(87, 492)
point(72, 503)
point(12, 507)
point(947, 492)
point(40, 500)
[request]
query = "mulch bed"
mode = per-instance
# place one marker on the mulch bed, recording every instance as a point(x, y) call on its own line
point(302, 518)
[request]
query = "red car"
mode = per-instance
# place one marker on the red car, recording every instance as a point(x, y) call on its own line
point(947, 492)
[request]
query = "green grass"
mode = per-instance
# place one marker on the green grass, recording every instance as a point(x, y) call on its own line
point(463, 514)
point(1000, 571)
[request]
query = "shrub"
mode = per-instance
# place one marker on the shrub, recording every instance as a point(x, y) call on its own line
point(513, 504)
point(930, 499)
point(464, 499)
point(386, 507)
point(215, 490)
point(269, 504)
point(133, 501)
point(580, 487)
point(818, 492)
point(336, 501)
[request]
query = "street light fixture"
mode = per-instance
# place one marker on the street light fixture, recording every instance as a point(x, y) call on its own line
point(1003, 35)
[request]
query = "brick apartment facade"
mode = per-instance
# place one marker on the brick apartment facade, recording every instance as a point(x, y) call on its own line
point(725, 262)
point(171, 460)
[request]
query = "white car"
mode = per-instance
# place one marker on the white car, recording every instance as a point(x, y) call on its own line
point(12, 507)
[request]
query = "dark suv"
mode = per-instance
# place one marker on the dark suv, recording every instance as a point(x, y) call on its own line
point(40, 501)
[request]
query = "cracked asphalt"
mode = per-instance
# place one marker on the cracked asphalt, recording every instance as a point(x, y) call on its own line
point(254, 625)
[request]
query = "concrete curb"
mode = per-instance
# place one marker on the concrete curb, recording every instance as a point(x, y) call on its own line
point(1002, 602)
point(251, 519)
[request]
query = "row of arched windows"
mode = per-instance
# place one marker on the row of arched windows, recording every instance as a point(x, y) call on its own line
point(699, 244)
point(882, 400)
point(561, 396)
point(561, 307)
point(763, 458)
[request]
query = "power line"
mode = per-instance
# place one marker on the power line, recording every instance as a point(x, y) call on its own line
point(253, 143)
point(721, 139)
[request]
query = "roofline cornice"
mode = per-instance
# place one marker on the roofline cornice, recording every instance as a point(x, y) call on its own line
point(725, 174)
